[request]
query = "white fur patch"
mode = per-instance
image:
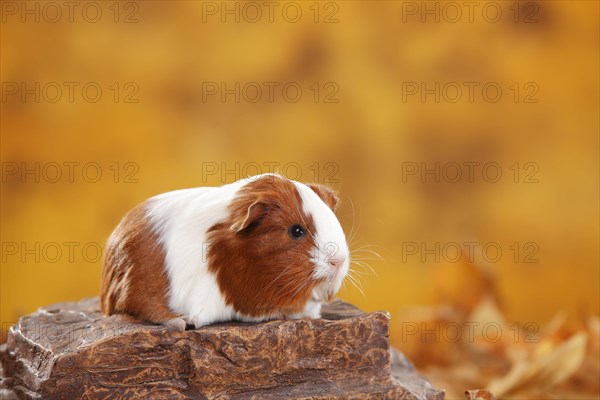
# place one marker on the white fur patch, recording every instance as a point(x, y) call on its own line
point(181, 219)
point(330, 241)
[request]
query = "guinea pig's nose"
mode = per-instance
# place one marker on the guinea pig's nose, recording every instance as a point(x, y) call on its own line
point(336, 261)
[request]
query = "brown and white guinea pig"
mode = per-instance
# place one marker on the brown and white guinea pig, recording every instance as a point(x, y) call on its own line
point(260, 248)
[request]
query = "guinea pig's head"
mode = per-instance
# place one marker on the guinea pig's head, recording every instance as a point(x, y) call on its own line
point(280, 246)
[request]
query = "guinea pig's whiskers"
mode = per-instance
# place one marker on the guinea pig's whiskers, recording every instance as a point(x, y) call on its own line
point(356, 274)
point(298, 291)
point(358, 255)
point(363, 260)
point(357, 285)
point(359, 273)
point(295, 287)
point(270, 284)
point(353, 231)
point(363, 268)
point(361, 257)
point(284, 289)
point(366, 249)
point(355, 282)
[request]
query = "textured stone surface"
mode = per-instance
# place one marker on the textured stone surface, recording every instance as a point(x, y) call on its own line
point(70, 350)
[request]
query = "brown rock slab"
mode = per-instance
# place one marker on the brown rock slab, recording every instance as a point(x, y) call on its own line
point(70, 351)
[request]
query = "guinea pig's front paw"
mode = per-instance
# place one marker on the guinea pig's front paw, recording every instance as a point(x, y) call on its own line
point(176, 324)
point(312, 309)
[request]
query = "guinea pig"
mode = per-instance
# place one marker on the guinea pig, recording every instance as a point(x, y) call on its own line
point(261, 248)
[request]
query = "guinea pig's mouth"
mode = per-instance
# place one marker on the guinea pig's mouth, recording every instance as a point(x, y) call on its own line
point(327, 286)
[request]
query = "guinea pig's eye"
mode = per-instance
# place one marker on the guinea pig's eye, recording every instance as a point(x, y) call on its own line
point(296, 231)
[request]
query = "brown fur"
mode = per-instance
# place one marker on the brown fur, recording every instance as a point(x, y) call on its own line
point(134, 280)
point(260, 269)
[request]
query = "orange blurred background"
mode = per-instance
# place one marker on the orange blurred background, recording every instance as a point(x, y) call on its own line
point(441, 124)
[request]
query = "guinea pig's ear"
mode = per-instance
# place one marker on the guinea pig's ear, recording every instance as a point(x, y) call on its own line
point(327, 194)
point(245, 214)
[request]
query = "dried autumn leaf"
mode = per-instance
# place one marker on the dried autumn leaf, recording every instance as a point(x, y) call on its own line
point(491, 330)
point(479, 394)
point(544, 369)
point(585, 380)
